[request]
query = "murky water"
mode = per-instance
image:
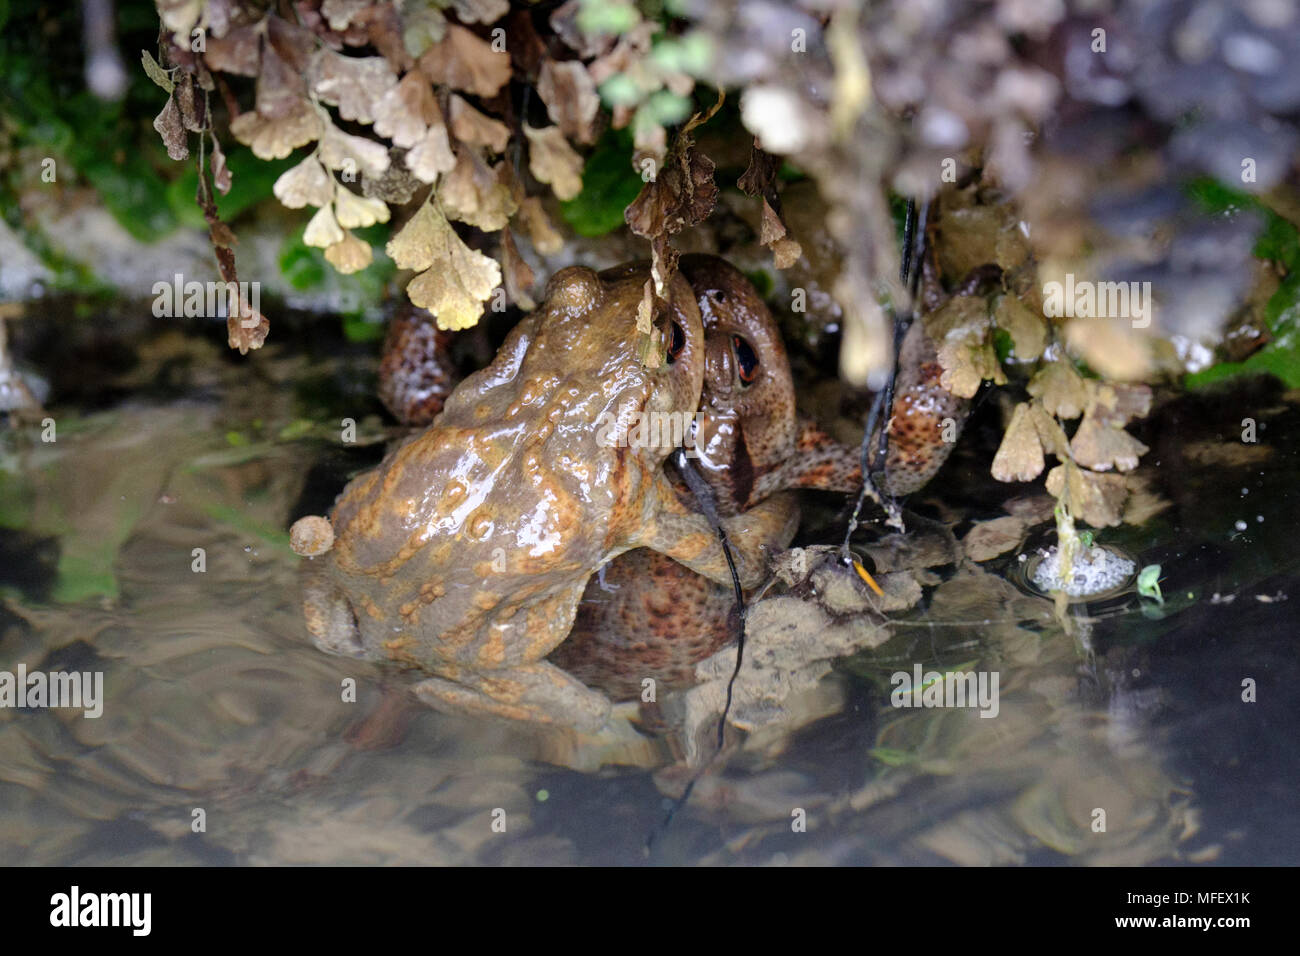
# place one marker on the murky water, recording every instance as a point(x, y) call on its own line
point(172, 454)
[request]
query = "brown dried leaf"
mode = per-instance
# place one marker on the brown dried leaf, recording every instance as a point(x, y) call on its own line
point(357, 212)
point(473, 193)
point(771, 228)
point(322, 229)
point(221, 177)
point(682, 195)
point(406, 111)
point(570, 97)
point(1028, 330)
point(965, 366)
point(171, 128)
point(193, 114)
point(307, 184)
point(760, 176)
point(352, 154)
point(785, 253)
point(294, 44)
point(645, 309)
point(1020, 456)
point(383, 26)
point(519, 277)
point(464, 62)
point(1061, 389)
point(1115, 404)
point(627, 56)
point(355, 84)
point(456, 280)
point(544, 236)
point(1096, 499)
point(349, 255)
point(239, 52)
point(279, 87)
point(276, 139)
point(553, 161)
point(772, 233)
point(470, 126)
point(432, 155)
point(1050, 433)
point(962, 319)
point(1101, 447)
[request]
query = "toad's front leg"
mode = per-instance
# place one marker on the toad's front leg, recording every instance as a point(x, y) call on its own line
point(689, 538)
point(537, 693)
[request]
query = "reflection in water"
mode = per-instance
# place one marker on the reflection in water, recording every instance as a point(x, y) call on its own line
point(217, 702)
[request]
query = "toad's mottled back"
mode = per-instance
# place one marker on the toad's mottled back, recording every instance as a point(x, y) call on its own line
point(467, 550)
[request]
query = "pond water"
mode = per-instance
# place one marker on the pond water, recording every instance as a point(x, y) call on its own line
point(216, 701)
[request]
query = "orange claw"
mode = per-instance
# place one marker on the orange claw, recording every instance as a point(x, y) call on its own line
point(871, 582)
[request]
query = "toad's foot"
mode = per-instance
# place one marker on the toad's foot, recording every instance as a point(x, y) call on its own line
point(618, 742)
point(538, 693)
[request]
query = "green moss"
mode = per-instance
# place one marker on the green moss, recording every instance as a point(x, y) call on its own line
point(1278, 242)
point(609, 183)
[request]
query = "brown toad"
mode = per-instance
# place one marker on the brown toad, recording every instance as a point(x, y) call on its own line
point(466, 551)
point(646, 616)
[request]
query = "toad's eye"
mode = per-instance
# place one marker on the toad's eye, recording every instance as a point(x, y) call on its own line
point(677, 343)
point(746, 359)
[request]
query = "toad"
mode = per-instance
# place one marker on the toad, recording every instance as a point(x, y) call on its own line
point(645, 615)
point(465, 553)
